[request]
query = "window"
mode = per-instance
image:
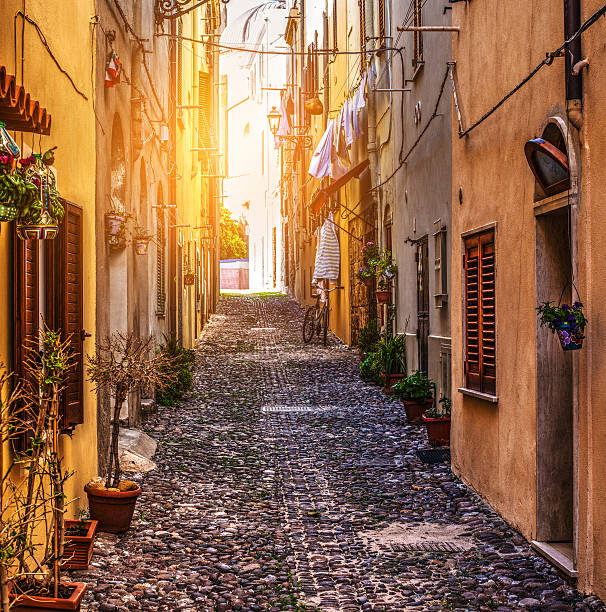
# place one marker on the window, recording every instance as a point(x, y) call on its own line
point(440, 265)
point(160, 265)
point(179, 62)
point(335, 31)
point(417, 20)
point(479, 309)
point(204, 113)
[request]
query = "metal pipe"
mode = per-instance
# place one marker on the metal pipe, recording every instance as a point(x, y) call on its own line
point(429, 29)
point(573, 55)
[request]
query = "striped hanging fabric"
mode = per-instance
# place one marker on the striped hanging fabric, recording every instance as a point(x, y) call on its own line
point(328, 255)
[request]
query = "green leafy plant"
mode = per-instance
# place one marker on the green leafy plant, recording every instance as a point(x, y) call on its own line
point(415, 388)
point(177, 364)
point(368, 337)
point(371, 367)
point(233, 239)
point(441, 410)
point(567, 321)
point(392, 352)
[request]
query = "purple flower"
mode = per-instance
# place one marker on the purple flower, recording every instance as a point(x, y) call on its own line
point(564, 337)
point(578, 305)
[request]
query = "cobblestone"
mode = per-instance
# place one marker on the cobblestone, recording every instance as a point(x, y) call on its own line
point(284, 482)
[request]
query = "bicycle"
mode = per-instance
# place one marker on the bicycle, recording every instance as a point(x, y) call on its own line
point(316, 317)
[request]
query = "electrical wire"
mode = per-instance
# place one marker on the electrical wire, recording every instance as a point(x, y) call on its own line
point(49, 51)
point(548, 61)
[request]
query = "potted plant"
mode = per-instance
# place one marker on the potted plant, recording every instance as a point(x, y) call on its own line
point(38, 204)
point(393, 358)
point(568, 322)
point(121, 365)
point(115, 228)
point(141, 240)
point(79, 543)
point(371, 368)
point(40, 499)
point(366, 272)
point(8, 196)
point(416, 392)
point(9, 151)
point(437, 422)
point(385, 271)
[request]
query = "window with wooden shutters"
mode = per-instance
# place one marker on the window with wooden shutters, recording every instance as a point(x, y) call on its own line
point(64, 279)
point(160, 265)
point(179, 62)
point(417, 21)
point(479, 308)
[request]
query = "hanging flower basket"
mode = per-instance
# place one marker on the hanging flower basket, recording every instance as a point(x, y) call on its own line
point(383, 296)
point(570, 339)
point(141, 246)
point(189, 279)
point(568, 322)
point(35, 196)
point(115, 230)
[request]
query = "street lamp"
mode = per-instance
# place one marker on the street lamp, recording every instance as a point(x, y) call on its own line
point(300, 139)
point(274, 117)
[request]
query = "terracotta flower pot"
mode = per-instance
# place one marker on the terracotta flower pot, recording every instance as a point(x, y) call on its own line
point(414, 410)
point(189, 279)
point(383, 296)
point(78, 550)
point(438, 430)
point(114, 223)
point(31, 603)
point(113, 510)
point(391, 380)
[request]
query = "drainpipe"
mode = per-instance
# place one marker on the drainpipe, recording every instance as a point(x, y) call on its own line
point(372, 117)
point(172, 185)
point(574, 82)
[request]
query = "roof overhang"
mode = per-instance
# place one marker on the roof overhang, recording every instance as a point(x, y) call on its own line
point(17, 109)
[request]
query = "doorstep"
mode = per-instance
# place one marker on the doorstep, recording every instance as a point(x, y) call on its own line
point(561, 554)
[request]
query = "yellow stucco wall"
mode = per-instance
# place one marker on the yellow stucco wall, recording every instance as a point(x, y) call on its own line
point(494, 445)
point(68, 32)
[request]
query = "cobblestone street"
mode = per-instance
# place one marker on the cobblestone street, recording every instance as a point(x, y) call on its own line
point(286, 483)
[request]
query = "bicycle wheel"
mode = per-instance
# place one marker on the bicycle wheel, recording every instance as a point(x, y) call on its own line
point(309, 324)
point(325, 325)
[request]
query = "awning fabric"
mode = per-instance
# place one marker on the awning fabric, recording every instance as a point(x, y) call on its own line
point(321, 196)
point(18, 111)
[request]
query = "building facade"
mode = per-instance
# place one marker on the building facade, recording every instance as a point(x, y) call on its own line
point(528, 430)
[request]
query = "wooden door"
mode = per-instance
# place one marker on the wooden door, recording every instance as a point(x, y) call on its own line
point(423, 304)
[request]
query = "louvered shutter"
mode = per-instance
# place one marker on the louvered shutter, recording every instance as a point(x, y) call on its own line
point(204, 113)
point(362, 14)
point(64, 276)
point(160, 266)
point(72, 323)
point(26, 311)
point(480, 337)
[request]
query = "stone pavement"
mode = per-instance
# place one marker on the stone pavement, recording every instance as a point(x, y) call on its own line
point(286, 483)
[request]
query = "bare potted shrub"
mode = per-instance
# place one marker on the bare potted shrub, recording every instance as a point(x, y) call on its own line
point(121, 365)
point(38, 501)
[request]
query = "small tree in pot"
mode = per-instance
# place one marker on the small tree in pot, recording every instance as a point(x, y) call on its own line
point(121, 365)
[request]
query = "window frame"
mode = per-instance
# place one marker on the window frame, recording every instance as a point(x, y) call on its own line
point(486, 385)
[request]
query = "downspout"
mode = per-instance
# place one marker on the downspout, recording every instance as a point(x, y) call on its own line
point(172, 184)
point(372, 117)
point(574, 82)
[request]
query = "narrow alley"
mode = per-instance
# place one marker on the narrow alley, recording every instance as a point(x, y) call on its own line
point(284, 482)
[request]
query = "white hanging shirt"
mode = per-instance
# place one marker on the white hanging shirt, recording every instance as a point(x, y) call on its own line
point(319, 167)
point(328, 254)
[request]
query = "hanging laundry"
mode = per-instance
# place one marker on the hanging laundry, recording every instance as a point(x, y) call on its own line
point(372, 74)
point(347, 123)
point(113, 70)
point(358, 104)
point(328, 254)
point(339, 155)
point(319, 167)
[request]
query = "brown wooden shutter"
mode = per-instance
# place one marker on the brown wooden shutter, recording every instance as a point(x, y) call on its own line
point(335, 29)
point(160, 266)
point(205, 110)
point(480, 336)
point(64, 274)
point(26, 307)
